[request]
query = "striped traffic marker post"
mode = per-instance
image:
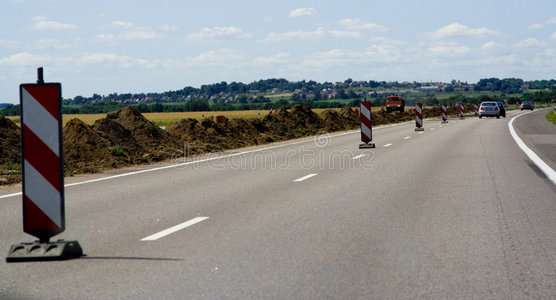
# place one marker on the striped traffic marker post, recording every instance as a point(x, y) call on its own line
point(366, 126)
point(444, 114)
point(419, 117)
point(461, 111)
point(476, 108)
point(43, 174)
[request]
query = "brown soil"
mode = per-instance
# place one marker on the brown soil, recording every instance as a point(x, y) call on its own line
point(10, 165)
point(125, 137)
point(86, 151)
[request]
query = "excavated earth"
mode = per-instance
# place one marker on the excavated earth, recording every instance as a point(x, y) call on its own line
point(126, 137)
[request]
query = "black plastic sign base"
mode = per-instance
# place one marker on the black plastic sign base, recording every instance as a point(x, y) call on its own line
point(419, 129)
point(60, 250)
point(365, 146)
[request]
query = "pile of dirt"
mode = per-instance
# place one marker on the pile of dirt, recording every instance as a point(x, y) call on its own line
point(300, 121)
point(350, 117)
point(119, 136)
point(86, 151)
point(208, 136)
point(10, 153)
point(157, 143)
point(10, 143)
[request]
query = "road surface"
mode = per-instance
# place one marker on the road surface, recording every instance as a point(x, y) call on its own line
point(456, 211)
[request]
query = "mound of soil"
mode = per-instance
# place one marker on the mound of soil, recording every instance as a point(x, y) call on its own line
point(10, 153)
point(121, 137)
point(86, 151)
point(10, 143)
point(158, 144)
point(210, 136)
point(350, 117)
point(301, 121)
point(332, 120)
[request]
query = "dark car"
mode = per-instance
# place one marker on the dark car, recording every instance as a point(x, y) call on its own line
point(527, 105)
point(502, 107)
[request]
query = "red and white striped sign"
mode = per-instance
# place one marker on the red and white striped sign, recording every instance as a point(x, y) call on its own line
point(43, 180)
point(444, 113)
point(461, 111)
point(366, 127)
point(419, 115)
point(476, 109)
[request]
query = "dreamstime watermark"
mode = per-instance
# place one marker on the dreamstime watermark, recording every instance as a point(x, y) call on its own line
point(316, 156)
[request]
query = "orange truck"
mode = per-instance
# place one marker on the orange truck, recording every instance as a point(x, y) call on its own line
point(395, 103)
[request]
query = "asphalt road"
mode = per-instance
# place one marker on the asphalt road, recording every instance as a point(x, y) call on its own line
point(458, 211)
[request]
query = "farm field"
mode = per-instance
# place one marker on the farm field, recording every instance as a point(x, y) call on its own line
point(169, 118)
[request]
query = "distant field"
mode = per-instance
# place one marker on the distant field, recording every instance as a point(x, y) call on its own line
point(169, 118)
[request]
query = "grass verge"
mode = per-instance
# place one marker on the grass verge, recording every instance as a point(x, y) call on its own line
point(551, 116)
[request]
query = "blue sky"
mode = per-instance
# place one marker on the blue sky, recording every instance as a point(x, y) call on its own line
point(155, 46)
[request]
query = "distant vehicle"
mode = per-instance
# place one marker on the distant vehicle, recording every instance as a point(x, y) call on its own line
point(395, 103)
point(489, 109)
point(502, 107)
point(527, 105)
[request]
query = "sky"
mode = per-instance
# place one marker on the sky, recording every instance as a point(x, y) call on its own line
point(138, 46)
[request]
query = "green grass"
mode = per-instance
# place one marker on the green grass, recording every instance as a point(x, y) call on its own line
point(551, 117)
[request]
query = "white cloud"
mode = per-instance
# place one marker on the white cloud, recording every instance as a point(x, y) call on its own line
point(317, 34)
point(357, 25)
point(535, 26)
point(294, 35)
point(489, 45)
point(449, 50)
point(551, 21)
point(137, 35)
point(219, 58)
point(122, 24)
point(343, 34)
point(122, 61)
point(42, 23)
point(459, 30)
point(302, 12)
point(528, 43)
point(553, 36)
point(278, 58)
point(52, 44)
point(219, 32)
point(24, 59)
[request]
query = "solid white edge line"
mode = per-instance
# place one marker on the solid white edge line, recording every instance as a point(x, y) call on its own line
point(387, 145)
point(545, 168)
point(173, 229)
point(407, 138)
point(359, 156)
point(208, 159)
point(305, 177)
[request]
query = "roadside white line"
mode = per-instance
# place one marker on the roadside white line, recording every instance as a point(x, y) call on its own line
point(171, 230)
point(432, 128)
point(305, 177)
point(421, 132)
point(545, 168)
point(387, 145)
point(359, 156)
point(407, 138)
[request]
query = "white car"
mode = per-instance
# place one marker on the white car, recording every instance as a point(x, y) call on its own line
point(489, 109)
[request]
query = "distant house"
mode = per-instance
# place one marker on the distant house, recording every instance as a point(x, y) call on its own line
point(4, 105)
point(430, 88)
